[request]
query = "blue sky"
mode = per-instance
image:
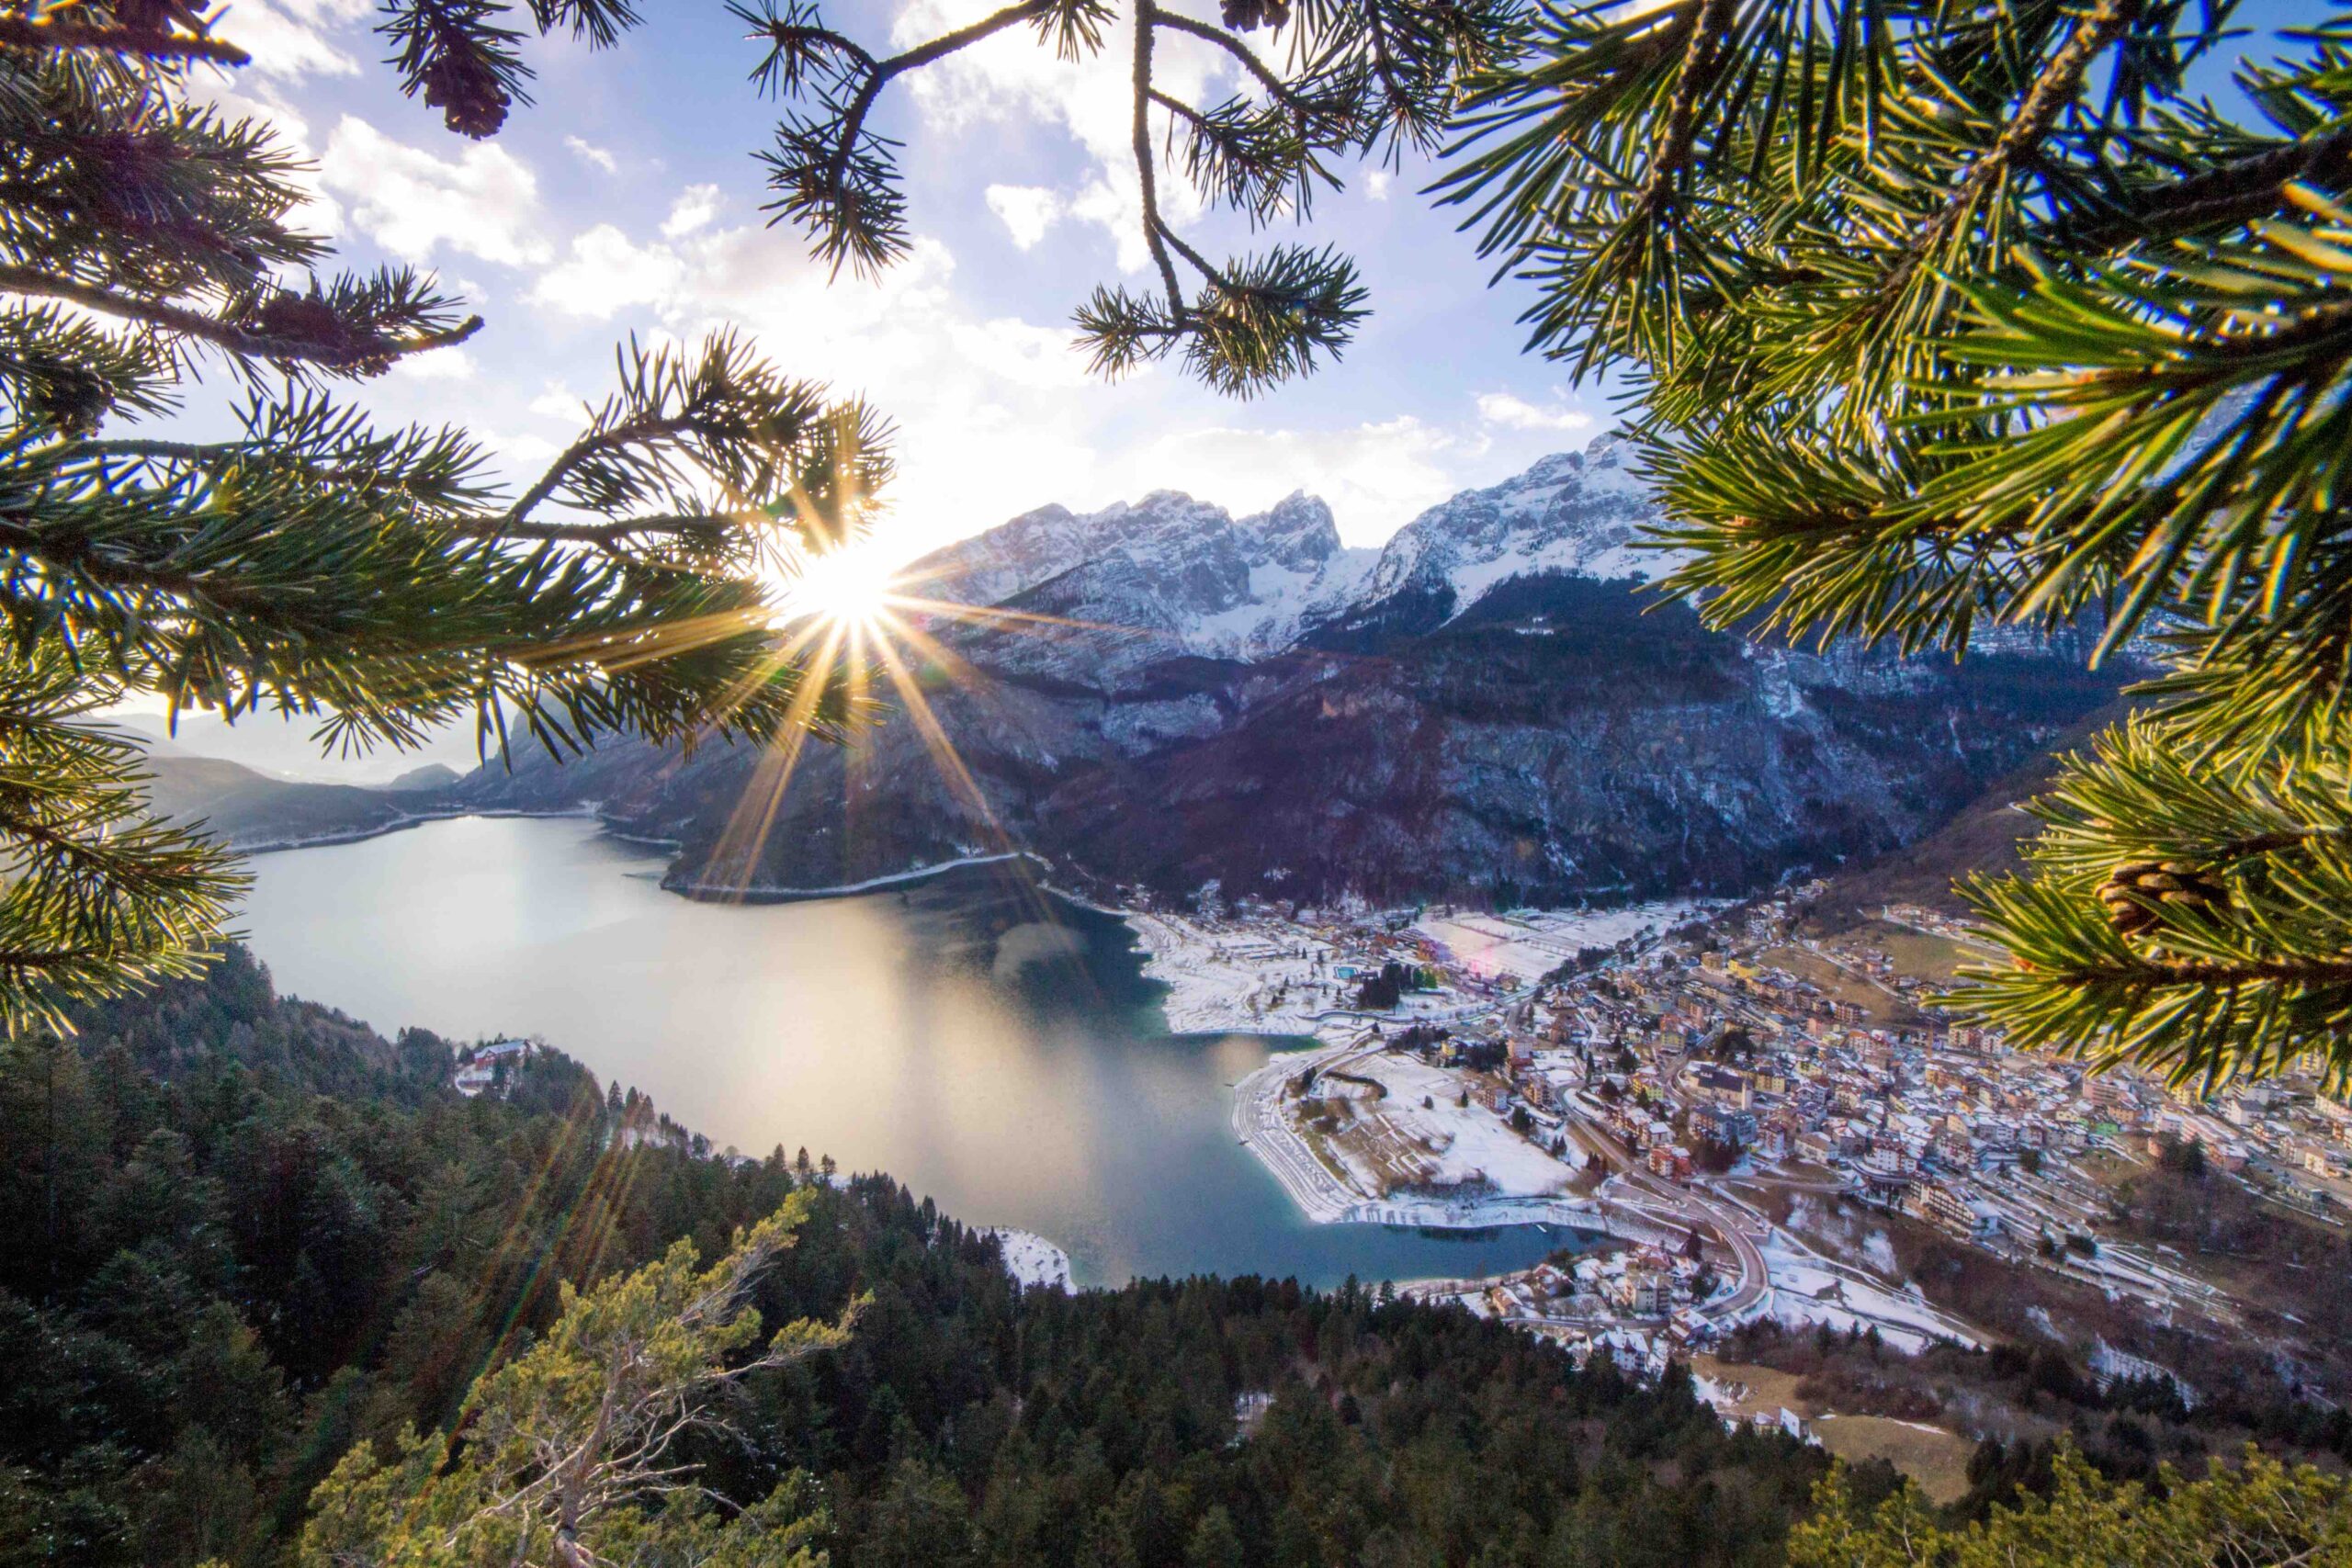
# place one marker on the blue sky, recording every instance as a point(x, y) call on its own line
point(628, 200)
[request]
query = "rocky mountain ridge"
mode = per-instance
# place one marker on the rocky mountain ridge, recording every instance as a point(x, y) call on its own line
point(1175, 576)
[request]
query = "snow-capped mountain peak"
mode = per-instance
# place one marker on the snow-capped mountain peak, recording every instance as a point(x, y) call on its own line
point(1186, 573)
point(1573, 512)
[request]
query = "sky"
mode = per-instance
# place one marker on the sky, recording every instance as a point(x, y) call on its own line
point(627, 201)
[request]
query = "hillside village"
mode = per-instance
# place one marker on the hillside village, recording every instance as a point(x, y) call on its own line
point(1709, 1089)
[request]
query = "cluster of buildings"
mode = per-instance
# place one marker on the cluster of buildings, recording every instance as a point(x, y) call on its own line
point(485, 1068)
point(1741, 1047)
point(1700, 1055)
point(1643, 1283)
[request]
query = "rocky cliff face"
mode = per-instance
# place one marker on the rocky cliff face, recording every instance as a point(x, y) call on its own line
point(1181, 574)
point(1482, 708)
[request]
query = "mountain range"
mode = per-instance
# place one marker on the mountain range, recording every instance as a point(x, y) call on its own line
point(1161, 694)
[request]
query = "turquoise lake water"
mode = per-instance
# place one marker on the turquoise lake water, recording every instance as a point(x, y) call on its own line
point(991, 1046)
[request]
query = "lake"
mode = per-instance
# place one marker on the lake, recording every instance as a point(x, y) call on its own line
point(990, 1046)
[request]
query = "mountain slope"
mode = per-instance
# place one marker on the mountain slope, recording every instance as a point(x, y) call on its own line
point(1477, 716)
point(249, 811)
point(1167, 696)
point(1984, 836)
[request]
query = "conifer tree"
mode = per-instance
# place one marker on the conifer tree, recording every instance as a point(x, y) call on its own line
point(309, 563)
point(574, 1453)
point(1940, 317)
point(2260, 1514)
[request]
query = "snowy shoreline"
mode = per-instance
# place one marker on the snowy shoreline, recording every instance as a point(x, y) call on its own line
point(401, 824)
point(770, 891)
point(1033, 1262)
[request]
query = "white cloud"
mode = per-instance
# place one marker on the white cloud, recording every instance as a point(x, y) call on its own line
point(484, 202)
point(1377, 183)
point(524, 453)
point(440, 365)
point(557, 400)
point(290, 38)
point(1010, 78)
point(1026, 212)
point(1516, 413)
point(995, 414)
point(695, 207)
point(608, 272)
point(1019, 352)
point(589, 152)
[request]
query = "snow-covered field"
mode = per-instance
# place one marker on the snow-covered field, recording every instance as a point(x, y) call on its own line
point(1808, 1289)
point(1466, 1143)
point(1224, 981)
point(1523, 1185)
point(1033, 1260)
point(1532, 943)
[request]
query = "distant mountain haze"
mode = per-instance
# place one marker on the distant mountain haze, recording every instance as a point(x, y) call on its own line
point(284, 748)
point(250, 810)
point(1484, 707)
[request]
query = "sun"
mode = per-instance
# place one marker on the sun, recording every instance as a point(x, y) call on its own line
point(850, 584)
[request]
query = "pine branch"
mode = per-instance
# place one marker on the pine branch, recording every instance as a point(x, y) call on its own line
point(369, 358)
point(1148, 16)
point(880, 74)
point(841, 183)
point(2240, 192)
point(2162, 972)
point(1702, 58)
point(54, 32)
point(835, 178)
point(607, 535)
point(1276, 88)
point(1200, 263)
point(2054, 89)
point(595, 443)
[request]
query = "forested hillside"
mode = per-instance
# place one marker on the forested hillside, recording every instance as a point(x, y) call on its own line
point(245, 1233)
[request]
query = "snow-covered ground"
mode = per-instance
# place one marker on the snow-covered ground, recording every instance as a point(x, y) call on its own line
point(1238, 981)
point(1532, 943)
point(1466, 1143)
point(1809, 1289)
point(1033, 1260)
point(1523, 1185)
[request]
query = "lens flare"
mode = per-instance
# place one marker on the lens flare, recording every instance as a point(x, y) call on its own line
point(850, 584)
point(857, 634)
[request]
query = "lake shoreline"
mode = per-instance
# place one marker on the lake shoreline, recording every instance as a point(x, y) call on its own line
point(764, 893)
point(404, 823)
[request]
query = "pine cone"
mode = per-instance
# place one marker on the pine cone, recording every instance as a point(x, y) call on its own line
point(466, 90)
point(1249, 15)
point(67, 397)
point(2134, 893)
point(306, 317)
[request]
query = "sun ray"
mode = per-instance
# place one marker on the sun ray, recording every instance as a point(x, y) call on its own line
point(979, 613)
point(735, 857)
point(851, 620)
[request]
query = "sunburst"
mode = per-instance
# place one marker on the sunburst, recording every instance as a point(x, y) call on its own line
point(854, 625)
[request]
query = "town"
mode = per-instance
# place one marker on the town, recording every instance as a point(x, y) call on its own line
point(1741, 1105)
